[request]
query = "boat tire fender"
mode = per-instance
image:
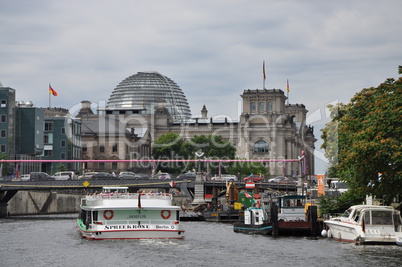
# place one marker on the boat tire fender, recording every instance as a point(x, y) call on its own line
point(108, 214)
point(166, 214)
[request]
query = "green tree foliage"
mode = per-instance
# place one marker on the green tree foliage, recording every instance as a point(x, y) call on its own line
point(169, 146)
point(172, 146)
point(60, 167)
point(369, 141)
point(5, 165)
point(337, 204)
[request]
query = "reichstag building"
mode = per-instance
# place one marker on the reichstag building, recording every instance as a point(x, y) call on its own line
point(146, 105)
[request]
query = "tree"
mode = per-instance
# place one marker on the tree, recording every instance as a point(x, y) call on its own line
point(212, 147)
point(370, 146)
point(169, 146)
point(331, 139)
point(4, 166)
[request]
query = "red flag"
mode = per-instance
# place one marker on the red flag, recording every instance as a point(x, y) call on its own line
point(139, 200)
point(52, 91)
point(263, 70)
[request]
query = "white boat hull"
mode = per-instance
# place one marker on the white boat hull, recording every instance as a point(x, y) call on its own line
point(124, 232)
point(367, 225)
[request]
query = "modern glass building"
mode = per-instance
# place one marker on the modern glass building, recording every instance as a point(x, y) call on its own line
point(141, 92)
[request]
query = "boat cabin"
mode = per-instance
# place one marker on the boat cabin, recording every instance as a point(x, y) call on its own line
point(115, 189)
point(291, 207)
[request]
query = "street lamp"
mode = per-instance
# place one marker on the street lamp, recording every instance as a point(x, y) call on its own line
point(199, 154)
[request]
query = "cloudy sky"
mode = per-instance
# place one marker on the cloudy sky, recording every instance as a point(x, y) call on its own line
point(329, 50)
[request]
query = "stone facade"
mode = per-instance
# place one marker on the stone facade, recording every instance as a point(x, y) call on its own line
point(268, 128)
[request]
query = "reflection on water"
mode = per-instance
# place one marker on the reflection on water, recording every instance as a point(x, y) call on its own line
point(54, 240)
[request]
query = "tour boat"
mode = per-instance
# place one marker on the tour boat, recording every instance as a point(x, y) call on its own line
point(366, 224)
point(117, 214)
point(254, 221)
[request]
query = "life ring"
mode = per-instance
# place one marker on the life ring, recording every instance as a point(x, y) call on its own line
point(108, 214)
point(166, 214)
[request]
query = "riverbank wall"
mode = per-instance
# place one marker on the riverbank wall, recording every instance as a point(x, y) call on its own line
point(46, 202)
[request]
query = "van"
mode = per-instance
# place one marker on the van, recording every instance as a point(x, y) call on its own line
point(67, 175)
point(40, 176)
point(339, 186)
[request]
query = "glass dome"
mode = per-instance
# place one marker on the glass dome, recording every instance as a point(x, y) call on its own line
point(147, 89)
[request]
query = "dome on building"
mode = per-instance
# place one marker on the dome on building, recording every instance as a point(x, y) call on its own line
point(147, 90)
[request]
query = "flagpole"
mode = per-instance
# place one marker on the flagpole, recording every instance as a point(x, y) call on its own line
point(49, 100)
point(264, 77)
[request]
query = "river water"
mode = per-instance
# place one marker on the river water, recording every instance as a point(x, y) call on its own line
point(53, 240)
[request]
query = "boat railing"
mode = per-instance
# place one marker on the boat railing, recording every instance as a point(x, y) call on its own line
point(140, 222)
point(129, 196)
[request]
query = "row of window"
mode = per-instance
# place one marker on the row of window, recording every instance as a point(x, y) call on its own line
point(49, 153)
point(261, 106)
point(101, 148)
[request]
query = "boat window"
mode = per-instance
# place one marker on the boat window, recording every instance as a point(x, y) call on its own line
point(366, 217)
point(95, 216)
point(346, 213)
point(357, 215)
point(382, 217)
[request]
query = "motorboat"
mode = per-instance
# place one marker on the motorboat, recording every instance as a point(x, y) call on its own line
point(366, 224)
point(117, 214)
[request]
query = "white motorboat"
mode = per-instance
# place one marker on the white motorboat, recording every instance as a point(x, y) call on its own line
point(366, 224)
point(117, 214)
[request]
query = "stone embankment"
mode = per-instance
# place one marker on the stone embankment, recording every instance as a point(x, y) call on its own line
point(45, 202)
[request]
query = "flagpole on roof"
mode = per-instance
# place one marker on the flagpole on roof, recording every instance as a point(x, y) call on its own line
point(264, 77)
point(49, 97)
point(287, 89)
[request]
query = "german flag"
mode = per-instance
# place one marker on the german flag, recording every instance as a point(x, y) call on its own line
point(52, 91)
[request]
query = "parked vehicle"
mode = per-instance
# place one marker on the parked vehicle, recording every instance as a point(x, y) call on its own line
point(225, 178)
point(86, 176)
point(127, 175)
point(40, 176)
point(163, 176)
point(141, 176)
point(282, 180)
point(253, 178)
point(187, 176)
point(338, 186)
point(67, 175)
point(102, 176)
point(24, 177)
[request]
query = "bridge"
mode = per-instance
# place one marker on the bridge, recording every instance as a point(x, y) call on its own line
point(9, 188)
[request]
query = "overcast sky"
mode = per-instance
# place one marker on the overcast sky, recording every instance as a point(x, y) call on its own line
point(329, 50)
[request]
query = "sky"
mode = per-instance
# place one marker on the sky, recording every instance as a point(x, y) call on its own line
point(214, 50)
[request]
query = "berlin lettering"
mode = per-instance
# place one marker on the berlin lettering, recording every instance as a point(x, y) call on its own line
point(127, 226)
point(162, 227)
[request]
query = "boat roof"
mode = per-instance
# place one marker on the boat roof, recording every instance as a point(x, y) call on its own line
point(294, 196)
point(115, 187)
point(355, 207)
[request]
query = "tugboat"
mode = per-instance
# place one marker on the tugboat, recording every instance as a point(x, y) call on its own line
point(294, 216)
point(256, 219)
point(117, 214)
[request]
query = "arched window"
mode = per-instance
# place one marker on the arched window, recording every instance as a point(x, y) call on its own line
point(261, 106)
point(261, 147)
point(269, 106)
point(252, 106)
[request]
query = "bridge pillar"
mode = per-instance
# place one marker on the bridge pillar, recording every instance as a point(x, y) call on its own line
point(199, 190)
point(3, 209)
